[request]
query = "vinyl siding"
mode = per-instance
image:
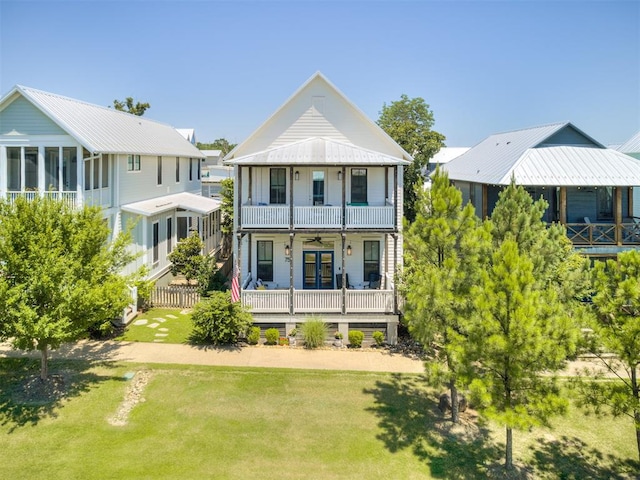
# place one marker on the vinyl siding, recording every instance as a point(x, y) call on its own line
point(20, 116)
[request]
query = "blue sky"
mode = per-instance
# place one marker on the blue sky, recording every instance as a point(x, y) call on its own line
point(224, 67)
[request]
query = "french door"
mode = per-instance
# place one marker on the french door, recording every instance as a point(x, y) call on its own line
point(318, 270)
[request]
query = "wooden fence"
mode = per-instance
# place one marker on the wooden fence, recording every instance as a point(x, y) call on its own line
point(180, 296)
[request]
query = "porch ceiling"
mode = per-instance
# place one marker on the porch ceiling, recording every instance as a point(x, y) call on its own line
point(185, 200)
point(318, 151)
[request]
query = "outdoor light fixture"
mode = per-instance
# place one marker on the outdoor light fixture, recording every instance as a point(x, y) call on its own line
point(349, 251)
point(297, 175)
point(287, 250)
point(340, 175)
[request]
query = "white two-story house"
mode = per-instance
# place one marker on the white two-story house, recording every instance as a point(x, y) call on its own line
point(140, 172)
point(318, 215)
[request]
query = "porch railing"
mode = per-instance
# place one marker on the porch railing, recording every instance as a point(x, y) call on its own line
point(326, 216)
point(70, 198)
point(603, 233)
point(322, 301)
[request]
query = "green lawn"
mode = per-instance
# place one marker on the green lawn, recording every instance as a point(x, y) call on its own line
point(164, 325)
point(237, 423)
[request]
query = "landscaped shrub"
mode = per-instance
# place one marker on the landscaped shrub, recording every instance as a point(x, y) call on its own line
point(272, 335)
point(314, 332)
point(378, 337)
point(254, 336)
point(355, 338)
point(216, 320)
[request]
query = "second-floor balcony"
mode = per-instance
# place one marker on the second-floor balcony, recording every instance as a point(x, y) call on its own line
point(324, 216)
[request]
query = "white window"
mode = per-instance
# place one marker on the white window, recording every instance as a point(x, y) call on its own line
point(133, 163)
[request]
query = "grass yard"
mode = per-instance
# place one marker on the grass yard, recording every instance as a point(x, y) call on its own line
point(233, 423)
point(163, 325)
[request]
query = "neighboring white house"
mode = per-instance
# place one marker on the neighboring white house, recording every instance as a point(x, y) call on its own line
point(137, 170)
point(189, 134)
point(318, 215)
point(632, 148)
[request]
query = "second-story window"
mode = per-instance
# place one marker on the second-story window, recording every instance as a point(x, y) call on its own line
point(278, 185)
point(177, 169)
point(159, 170)
point(359, 185)
point(191, 169)
point(265, 260)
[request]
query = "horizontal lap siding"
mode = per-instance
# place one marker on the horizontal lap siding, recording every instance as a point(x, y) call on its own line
point(22, 117)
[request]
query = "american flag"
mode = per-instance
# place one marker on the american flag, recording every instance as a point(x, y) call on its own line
point(235, 285)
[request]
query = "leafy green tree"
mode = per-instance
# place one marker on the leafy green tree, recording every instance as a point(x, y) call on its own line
point(445, 248)
point(58, 274)
point(187, 258)
point(519, 331)
point(219, 321)
point(409, 121)
point(226, 207)
point(616, 330)
point(218, 144)
point(128, 106)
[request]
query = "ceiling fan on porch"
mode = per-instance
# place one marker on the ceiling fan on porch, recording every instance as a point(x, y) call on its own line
point(317, 242)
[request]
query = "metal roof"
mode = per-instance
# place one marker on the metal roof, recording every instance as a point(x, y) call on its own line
point(185, 200)
point(318, 151)
point(105, 130)
point(574, 166)
point(632, 145)
point(446, 154)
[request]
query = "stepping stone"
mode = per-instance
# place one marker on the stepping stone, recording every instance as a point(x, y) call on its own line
point(160, 319)
point(186, 311)
point(158, 340)
point(163, 329)
point(129, 375)
point(171, 316)
point(142, 321)
point(162, 334)
point(153, 325)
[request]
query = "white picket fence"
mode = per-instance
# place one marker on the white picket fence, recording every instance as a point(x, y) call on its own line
point(181, 296)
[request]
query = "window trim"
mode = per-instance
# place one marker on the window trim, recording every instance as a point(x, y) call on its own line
point(264, 261)
point(133, 163)
point(274, 194)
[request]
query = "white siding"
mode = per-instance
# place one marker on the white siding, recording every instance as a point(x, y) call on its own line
point(22, 117)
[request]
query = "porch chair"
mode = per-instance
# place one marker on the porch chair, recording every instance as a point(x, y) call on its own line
point(374, 280)
point(339, 281)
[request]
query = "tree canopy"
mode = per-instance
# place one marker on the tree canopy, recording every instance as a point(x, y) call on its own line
point(616, 328)
point(445, 248)
point(128, 106)
point(218, 144)
point(409, 121)
point(58, 274)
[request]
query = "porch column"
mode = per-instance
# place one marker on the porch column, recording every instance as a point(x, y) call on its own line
point(485, 200)
point(395, 284)
point(23, 169)
point(618, 214)
point(238, 189)
point(395, 197)
point(291, 289)
point(249, 255)
point(344, 204)
point(41, 180)
point(563, 205)
point(344, 276)
point(238, 262)
point(3, 168)
point(79, 177)
point(629, 201)
point(290, 198)
point(385, 285)
point(60, 169)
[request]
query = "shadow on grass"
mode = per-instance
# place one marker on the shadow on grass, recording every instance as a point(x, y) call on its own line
point(410, 419)
point(571, 458)
point(25, 399)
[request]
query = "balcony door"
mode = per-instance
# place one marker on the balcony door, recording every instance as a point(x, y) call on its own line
point(318, 270)
point(318, 187)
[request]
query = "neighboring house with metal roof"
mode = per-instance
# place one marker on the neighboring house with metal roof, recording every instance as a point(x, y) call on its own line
point(589, 187)
point(137, 170)
point(318, 215)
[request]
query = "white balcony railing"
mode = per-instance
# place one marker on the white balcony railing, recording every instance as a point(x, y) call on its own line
point(325, 301)
point(277, 216)
point(71, 198)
